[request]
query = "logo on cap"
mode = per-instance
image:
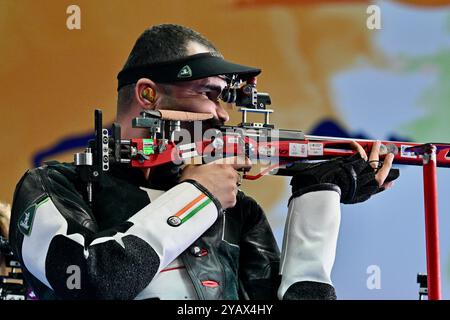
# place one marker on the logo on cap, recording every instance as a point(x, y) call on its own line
point(185, 72)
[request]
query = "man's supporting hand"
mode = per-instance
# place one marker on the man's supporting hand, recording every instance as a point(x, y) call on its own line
point(359, 177)
point(312, 225)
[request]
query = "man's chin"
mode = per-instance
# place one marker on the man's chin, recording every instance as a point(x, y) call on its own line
point(207, 127)
point(202, 129)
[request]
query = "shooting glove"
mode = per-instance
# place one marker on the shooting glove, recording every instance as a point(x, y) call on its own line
point(353, 175)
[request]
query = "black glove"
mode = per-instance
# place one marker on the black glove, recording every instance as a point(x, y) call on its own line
point(353, 175)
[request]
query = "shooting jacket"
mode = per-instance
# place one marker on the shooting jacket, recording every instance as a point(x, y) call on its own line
point(114, 249)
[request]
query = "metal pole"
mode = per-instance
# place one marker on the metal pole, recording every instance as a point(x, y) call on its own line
point(431, 223)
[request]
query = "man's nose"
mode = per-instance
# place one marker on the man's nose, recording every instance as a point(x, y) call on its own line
point(222, 114)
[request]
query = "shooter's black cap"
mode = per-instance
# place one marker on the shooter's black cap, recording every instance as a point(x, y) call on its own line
point(193, 67)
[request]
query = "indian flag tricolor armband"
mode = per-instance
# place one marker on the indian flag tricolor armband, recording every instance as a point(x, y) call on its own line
point(174, 220)
point(189, 210)
point(186, 202)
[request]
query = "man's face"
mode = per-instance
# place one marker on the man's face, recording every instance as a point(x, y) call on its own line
point(199, 96)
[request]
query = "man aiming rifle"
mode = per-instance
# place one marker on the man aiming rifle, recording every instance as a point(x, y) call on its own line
point(174, 232)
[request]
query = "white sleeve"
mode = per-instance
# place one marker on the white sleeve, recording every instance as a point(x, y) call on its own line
point(174, 221)
point(310, 238)
point(126, 258)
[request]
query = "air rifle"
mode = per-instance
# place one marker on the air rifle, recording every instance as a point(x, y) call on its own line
point(282, 152)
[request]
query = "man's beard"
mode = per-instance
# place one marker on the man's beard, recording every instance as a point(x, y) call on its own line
point(197, 129)
point(212, 124)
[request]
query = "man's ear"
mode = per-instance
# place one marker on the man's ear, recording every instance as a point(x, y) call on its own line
point(145, 93)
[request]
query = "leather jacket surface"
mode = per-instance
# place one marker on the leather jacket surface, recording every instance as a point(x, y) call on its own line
point(238, 252)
